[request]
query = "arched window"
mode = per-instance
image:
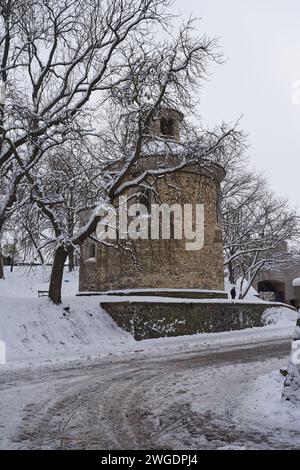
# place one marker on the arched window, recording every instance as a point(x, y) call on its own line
point(167, 126)
point(92, 250)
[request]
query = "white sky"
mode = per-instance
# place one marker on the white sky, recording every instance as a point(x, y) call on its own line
point(261, 40)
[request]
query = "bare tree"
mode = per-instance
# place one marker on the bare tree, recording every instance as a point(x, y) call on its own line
point(55, 55)
point(257, 225)
point(154, 75)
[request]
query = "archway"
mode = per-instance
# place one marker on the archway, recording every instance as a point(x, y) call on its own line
point(272, 290)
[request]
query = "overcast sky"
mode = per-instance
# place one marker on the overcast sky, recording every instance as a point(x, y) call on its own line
point(261, 40)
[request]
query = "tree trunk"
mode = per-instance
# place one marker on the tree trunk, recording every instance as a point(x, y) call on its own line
point(241, 288)
point(231, 273)
point(71, 261)
point(12, 261)
point(57, 275)
point(251, 280)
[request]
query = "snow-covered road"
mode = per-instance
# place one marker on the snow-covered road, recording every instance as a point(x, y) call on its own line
point(198, 399)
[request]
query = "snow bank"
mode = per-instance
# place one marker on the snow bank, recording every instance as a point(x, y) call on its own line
point(280, 316)
point(263, 404)
point(35, 328)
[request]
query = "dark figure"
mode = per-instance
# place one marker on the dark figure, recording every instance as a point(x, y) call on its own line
point(233, 293)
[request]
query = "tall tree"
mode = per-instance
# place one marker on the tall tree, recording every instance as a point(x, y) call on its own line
point(154, 75)
point(256, 225)
point(55, 55)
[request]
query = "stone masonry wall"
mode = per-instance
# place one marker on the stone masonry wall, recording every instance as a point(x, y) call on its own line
point(156, 319)
point(165, 263)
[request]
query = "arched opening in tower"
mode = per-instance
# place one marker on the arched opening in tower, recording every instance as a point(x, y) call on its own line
point(167, 126)
point(272, 290)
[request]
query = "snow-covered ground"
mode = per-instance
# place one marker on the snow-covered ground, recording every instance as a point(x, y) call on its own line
point(75, 380)
point(218, 397)
point(34, 329)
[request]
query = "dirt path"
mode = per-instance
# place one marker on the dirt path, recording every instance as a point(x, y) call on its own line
point(139, 402)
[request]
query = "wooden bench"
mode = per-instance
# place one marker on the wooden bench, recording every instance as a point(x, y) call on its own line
point(43, 293)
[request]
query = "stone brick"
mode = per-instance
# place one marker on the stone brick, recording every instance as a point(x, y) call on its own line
point(165, 263)
point(156, 319)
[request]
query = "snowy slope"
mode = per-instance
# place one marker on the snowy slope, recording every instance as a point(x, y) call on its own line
point(34, 329)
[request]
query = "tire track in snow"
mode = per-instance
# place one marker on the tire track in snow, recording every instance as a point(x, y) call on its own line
point(139, 403)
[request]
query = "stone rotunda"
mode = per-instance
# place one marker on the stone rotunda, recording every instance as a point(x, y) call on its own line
point(159, 288)
point(165, 265)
